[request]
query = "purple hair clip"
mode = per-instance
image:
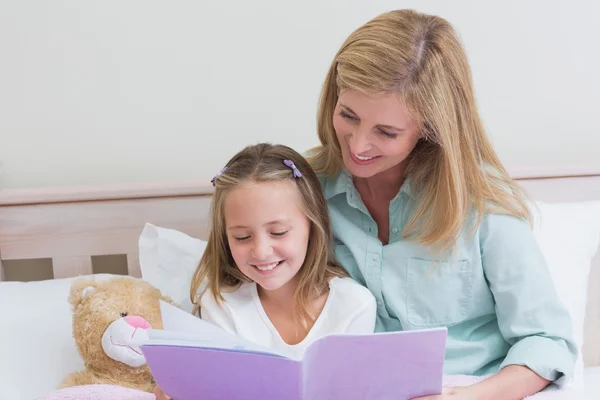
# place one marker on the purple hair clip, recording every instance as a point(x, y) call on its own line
point(213, 180)
point(291, 164)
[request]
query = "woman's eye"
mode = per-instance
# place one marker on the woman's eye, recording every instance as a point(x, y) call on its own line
point(242, 238)
point(279, 233)
point(345, 115)
point(387, 134)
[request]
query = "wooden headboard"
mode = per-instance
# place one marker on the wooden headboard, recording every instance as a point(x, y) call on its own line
point(70, 226)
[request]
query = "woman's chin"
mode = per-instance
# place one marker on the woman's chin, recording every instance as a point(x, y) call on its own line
point(361, 171)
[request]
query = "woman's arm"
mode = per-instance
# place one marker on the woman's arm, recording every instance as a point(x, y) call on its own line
point(514, 382)
point(530, 314)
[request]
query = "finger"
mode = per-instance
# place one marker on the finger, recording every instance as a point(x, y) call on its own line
point(159, 394)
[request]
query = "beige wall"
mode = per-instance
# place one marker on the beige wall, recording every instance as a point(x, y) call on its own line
point(85, 85)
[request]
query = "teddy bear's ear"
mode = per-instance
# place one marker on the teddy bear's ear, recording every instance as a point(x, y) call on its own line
point(80, 289)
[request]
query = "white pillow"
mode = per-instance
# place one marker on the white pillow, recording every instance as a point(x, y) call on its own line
point(168, 259)
point(568, 234)
point(37, 349)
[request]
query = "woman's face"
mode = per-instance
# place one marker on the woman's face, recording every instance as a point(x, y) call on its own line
point(375, 133)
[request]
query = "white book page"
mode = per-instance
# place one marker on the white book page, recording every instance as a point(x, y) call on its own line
point(181, 328)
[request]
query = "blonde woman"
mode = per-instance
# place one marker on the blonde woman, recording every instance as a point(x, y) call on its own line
point(425, 215)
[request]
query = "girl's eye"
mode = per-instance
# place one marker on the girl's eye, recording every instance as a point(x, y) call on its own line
point(387, 134)
point(241, 239)
point(345, 115)
point(279, 233)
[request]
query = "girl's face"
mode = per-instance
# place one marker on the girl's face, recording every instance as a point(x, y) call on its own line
point(267, 232)
point(375, 133)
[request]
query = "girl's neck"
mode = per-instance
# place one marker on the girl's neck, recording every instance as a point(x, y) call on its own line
point(282, 297)
point(280, 309)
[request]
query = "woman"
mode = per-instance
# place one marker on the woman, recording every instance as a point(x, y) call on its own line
point(426, 216)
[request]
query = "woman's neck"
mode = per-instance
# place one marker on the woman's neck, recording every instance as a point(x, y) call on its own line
point(384, 185)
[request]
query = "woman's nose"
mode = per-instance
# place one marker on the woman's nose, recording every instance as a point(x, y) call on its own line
point(359, 142)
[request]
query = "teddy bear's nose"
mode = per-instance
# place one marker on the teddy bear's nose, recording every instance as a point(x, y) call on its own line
point(137, 322)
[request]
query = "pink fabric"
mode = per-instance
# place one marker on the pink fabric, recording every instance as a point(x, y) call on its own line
point(461, 380)
point(137, 322)
point(98, 392)
point(113, 392)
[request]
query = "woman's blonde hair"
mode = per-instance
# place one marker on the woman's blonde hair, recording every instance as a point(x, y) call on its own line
point(454, 168)
point(265, 163)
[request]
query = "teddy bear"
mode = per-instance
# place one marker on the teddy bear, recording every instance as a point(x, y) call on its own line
point(110, 318)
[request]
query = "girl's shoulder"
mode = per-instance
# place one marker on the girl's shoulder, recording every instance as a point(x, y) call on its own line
point(233, 298)
point(348, 291)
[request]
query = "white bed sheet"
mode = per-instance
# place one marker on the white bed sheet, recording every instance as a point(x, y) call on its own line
point(592, 383)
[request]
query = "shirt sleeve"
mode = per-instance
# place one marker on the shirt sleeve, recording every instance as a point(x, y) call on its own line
point(531, 316)
point(216, 314)
point(363, 320)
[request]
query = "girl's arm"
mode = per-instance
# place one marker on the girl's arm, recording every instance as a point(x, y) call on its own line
point(365, 317)
point(216, 314)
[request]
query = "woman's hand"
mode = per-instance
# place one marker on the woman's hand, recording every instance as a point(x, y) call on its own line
point(453, 393)
point(159, 394)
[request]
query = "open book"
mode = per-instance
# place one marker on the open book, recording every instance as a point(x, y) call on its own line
point(192, 359)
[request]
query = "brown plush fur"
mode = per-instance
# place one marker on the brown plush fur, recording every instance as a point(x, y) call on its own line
point(94, 312)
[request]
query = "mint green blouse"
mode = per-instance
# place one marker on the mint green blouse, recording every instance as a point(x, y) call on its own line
point(495, 295)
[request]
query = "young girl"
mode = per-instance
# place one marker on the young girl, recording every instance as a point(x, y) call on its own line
point(269, 267)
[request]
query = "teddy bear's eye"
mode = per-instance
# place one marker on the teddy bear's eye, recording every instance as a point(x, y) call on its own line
point(123, 314)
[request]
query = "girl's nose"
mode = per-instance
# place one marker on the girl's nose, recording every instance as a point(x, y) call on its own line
point(262, 250)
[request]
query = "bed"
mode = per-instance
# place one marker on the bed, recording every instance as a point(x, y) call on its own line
point(50, 236)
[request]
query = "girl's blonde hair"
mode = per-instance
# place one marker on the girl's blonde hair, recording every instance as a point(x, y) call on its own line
point(265, 163)
point(454, 169)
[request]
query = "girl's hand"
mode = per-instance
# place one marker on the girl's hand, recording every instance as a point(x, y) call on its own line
point(159, 394)
point(453, 393)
